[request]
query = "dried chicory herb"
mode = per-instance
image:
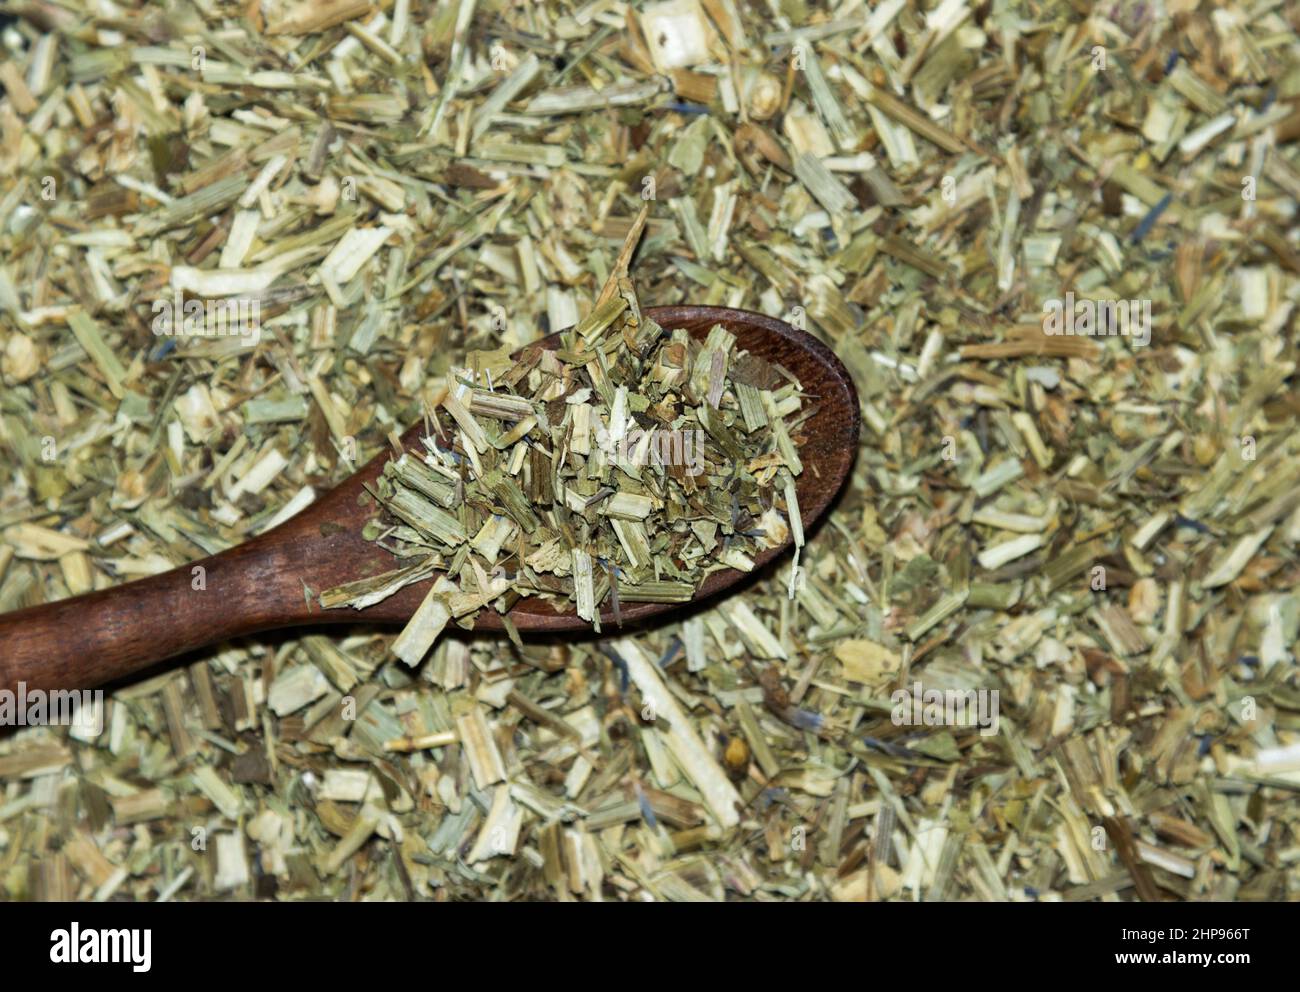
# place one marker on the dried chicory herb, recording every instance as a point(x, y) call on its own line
point(620, 466)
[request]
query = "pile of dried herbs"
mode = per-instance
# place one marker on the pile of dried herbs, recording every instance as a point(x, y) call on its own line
point(623, 468)
point(1101, 529)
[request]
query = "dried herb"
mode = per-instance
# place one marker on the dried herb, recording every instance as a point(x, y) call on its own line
point(616, 467)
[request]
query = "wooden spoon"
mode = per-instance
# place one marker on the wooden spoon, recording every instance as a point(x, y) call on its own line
point(103, 636)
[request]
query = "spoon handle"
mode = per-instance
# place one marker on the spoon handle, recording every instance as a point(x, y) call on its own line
point(261, 584)
point(89, 640)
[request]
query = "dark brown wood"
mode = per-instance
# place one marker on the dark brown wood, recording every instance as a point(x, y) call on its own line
point(261, 585)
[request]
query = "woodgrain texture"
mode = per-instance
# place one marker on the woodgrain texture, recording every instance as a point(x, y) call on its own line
point(261, 585)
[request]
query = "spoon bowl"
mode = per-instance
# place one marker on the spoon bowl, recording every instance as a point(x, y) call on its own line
point(272, 580)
